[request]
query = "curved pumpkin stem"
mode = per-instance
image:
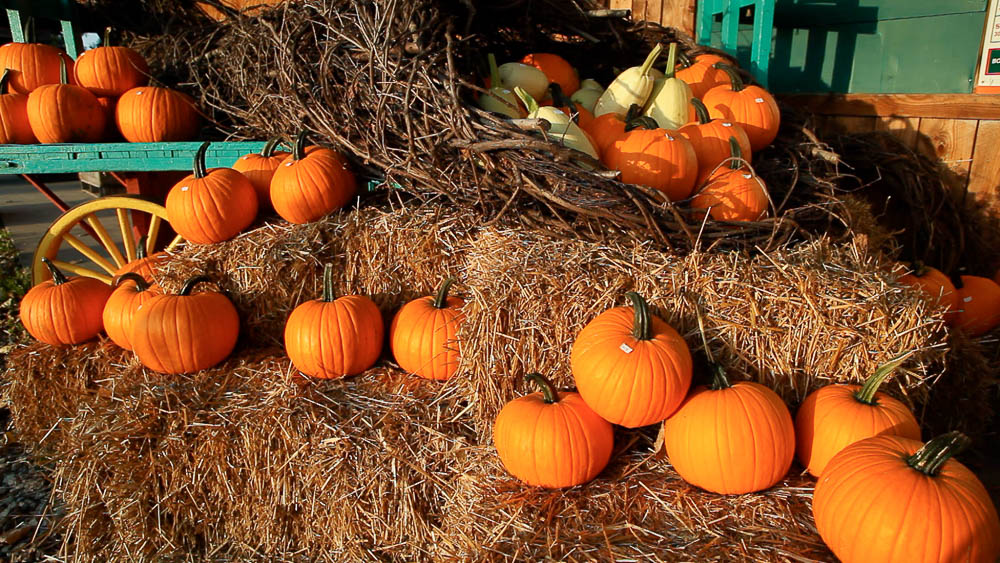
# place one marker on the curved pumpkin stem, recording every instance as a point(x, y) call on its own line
point(701, 111)
point(328, 295)
point(548, 391)
point(684, 60)
point(719, 379)
point(671, 61)
point(867, 392)
point(929, 459)
point(191, 282)
point(734, 76)
point(58, 278)
point(559, 99)
point(643, 121)
point(441, 299)
point(919, 268)
point(270, 147)
point(735, 154)
point(4, 79)
point(642, 328)
point(107, 37)
point(199, 160)
point(140, 283)
point(299, 147)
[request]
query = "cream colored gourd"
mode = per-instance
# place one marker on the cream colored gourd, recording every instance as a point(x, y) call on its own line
point(630, 87)
point(561, 127)
point(588, 94)
point(591, 84)
point(668, 104)
point(526, 77)
point(500, 99)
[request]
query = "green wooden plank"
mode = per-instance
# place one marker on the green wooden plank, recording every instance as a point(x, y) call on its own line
point(117, 157)
point(810, 13)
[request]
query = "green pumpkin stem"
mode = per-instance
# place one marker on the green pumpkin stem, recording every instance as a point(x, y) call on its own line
point(734, 76)
point(929, 459)
point(719, 379)
point(642, 327)
point(63, 73)
point(441, 298)
point(867, 392)
point(140, 283)
point(191, 282)
point(58, 278)
point(107, 37)
point(643, 121)
point(735, 154)
point(548, 391)
point(919, 268)
point(684, 60)
point(328, 295)
point(671, 61)
point(270, 147)
point(701, 111)
point(199, 160)
point(299, 147)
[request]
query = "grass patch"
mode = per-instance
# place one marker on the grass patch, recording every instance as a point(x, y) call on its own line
point(15, 280)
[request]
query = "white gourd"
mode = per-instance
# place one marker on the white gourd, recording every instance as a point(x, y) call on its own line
point(561, 127)
point(632, 86)
point(526, 77)
point(500, 99)
point(668, 104)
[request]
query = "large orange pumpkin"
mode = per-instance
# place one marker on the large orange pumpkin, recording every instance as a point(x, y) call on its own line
point(110, 71)
point(978, 305)
point(710, 139)
point(145, 266)
point(311, 183)
point(125, 301)
point(557, 69)
point(259, 169)
point(14, 126)
point(423, 335)
point(733, 192)
point(608, 128)
point(892, 499)
point(185, 333)
point(699, 73)
point(32, 65)
point(935, 285)
point(64, 311)
point(331, 338)
point(630, 366)
point(731, 439)
point(750, 107)
point(552, 439)
point(211, 206)
point(65, 113)
point(835, 416)
point(654, 157)
point(150, 114)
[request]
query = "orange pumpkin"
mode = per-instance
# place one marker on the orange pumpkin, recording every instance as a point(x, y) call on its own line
point(64, 311)
point(423, 335)
point(125, 301)
point(145, 266)
point(64, 113)
point(750, 107)
point(699, 73)
point(710, 139)
point(733, 192)
point(835, 416)
point(110, 71)
point(630, 366)
point(331, 338)
point(557, 69)
point(108, 106)
point(150, 114)
point(654, 157)
point(311, 183)
point(211, 206)
point(32, 65)
point(935, 285)
point(14, 126)
point(552, 439)
point(978, 305)
point(259, 169)
point(892, 499)
point(579, 114)
point(608, 128)
point(731, 439)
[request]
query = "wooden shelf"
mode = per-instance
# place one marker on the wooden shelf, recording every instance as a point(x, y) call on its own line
point(118, 157)
point(942, 106)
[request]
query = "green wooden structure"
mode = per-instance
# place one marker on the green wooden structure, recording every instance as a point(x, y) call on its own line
point(51, 9)
point(118, 157)
point(728, 37)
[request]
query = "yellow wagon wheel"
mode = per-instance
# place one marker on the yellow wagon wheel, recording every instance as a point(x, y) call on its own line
point(87, 220)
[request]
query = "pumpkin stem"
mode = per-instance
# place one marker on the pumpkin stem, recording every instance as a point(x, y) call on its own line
point(929, 459)
point(735, 154)
point(701, 111)
point(140, 283)
point(190, 283)
point(4, 79)
point(548, 391)
point(270, 147)
point(734, 76)
point(919, 268)
point(527, 100)
point(441, 299)
point(683, 59)
point(495, 81)
point(671, 61)
point(299, 147)
point(719, 379)
point(140, 249)
point(643, 121)
point(63, 74)
point(199, 160)
point(641, 326)
point(633, 112)
point(58, 278)
point(559, 99)
point(650, 59)
point(867, 392)
point(107, 37)
point(328, 295)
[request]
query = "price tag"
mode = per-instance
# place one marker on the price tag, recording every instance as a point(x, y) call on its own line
point(626, 348)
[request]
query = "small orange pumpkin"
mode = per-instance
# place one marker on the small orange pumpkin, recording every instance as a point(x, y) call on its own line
point(14, 126)
point(699, 73)
point(125, 300)
point(259, 169)
point(654, 157)
point(311, 183)
point(331, 338)
point(145, 266)
point(32, 65)
point(710, 139)
point(64, 113)
point(184, 333)
point(978, 305)
point(423, 335)
point(557, 69)
point(608, 128)
point(935, 285)
point(894, 500)
point(731, 438)
point(733, 192)
point(64, 311)
point(552, 439)
point(150, 114)
point(630, 366)
point(110, 71)
point(835, 416)
point(211, 206)
point(750, 107)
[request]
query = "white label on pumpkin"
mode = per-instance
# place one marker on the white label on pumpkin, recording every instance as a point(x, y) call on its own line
point(184, 188)
point(139, 93)
point(968, 299)
point(667, 135)
point(288, 164)
point(748, 176)
point(759, 100)
point(726, 124)
point(626, 348)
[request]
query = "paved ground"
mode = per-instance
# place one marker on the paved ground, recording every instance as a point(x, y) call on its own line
point(27, 214)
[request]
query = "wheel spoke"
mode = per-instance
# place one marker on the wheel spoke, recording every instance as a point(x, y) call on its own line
point(126, 228)
point(90, 254)
point(152, 234)
point(81, 271)
point(109, 244)
point(173, 244)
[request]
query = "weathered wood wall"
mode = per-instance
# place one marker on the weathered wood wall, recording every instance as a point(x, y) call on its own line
point(671, 13)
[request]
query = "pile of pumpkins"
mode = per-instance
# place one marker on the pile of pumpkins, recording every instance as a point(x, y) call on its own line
point(688, 131)
point(971, 303)
point(47, 98)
